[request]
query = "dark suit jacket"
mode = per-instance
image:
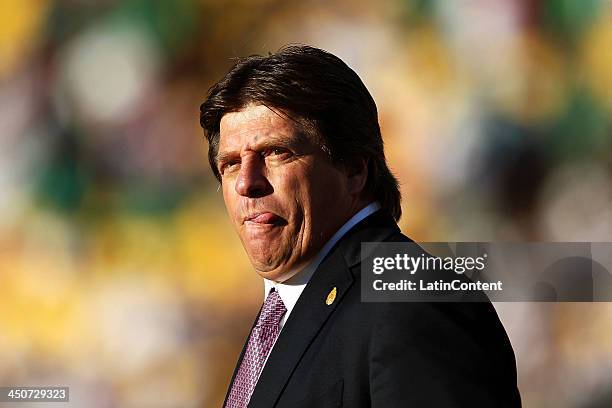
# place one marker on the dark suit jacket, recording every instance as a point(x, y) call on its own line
point(356, 354)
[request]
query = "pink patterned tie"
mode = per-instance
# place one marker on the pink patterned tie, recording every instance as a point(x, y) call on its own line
point(262, 339)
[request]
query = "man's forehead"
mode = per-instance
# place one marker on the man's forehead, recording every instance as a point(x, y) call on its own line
point(254, 124)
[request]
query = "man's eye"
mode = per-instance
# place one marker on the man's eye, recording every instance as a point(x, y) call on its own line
point(277, 151)
point(229, 166)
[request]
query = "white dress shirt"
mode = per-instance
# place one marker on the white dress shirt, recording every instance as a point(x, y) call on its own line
point(292, 288)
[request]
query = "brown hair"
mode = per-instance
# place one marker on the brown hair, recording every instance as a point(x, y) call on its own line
point(319, 90)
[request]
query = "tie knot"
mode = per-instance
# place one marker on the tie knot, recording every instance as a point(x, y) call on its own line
point(272, 311)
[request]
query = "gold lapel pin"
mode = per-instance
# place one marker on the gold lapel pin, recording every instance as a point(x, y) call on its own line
point(331, 296)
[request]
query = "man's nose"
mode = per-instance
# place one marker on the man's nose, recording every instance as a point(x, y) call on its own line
point(252, 181)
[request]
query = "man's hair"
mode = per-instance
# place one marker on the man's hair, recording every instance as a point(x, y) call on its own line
point(322, 94)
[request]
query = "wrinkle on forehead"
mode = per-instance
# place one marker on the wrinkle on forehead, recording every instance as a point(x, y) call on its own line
point(249, 125)
point(258, 126)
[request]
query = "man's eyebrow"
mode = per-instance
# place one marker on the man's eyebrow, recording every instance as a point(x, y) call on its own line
point(224, 156)
point(296, 140)
point(278, 141)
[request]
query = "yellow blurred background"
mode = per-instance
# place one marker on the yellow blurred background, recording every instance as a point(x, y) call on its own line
point(120, 275)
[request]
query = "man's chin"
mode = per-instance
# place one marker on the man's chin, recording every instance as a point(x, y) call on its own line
point(277, 276)
point(274, 272)
point(261, 238)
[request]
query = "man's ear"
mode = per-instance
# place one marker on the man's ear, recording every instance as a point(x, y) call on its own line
point(357, 174)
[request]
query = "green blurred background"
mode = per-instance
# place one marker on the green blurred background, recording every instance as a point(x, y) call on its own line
point(120, 274)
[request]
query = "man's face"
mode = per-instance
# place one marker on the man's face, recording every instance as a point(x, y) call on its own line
point(281, 190)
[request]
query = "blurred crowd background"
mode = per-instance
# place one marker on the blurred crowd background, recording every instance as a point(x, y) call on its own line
point(120, 275)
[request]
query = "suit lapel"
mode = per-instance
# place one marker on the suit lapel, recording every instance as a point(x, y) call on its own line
point(311, 311)
point(308, 316)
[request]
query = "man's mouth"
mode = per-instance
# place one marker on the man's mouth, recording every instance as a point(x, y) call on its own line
point(263, 218)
